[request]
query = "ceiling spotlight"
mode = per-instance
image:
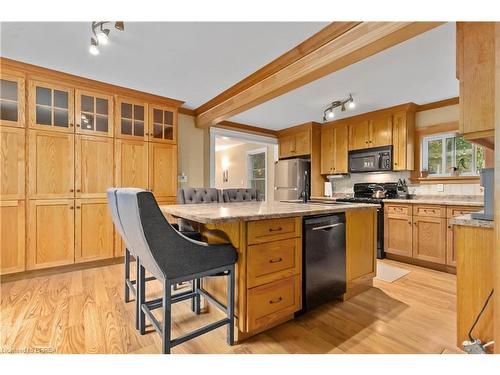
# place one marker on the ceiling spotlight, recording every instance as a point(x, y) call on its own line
point(93, 49)
point(329, 113)
point(103, 36)
point(100, 34)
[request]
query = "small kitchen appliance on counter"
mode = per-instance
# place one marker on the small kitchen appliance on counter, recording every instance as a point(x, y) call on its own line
point(487, 182)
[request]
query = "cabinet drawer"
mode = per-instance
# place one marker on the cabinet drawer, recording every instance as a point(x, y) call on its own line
point(398, 209)
point(454, 211)
point(271, 302)
point(273, 261)
point(429, 210)
point(273, 229)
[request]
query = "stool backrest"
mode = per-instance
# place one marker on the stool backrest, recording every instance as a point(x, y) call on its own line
point(113, 209)
point(128, 212)
point(199, 195)
point(240, 195)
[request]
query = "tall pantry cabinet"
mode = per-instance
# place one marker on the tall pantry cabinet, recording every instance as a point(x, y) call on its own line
point(63, 142)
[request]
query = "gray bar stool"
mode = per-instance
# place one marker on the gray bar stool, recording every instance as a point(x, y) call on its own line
point(172, 258)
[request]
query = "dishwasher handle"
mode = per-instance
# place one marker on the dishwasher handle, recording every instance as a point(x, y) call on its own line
point(327, 226)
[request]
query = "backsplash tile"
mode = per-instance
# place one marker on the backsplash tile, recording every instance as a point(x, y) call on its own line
point(345, 184)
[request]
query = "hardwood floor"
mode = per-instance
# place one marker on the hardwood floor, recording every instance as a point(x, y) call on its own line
point(83, 312)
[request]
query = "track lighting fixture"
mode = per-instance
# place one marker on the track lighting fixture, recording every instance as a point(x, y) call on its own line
point(329, 114)
point(100, 34)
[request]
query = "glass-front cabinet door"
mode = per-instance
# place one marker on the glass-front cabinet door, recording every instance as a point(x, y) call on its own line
point(163, 122)
point(131, 119)
point(11, 100)
point(94, 113)
point(50, 106)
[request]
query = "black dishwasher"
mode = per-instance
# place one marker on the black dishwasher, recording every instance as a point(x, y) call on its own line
point(324, 275)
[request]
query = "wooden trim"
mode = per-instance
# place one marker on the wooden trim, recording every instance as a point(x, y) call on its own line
point(358, 43)
point(438, 104)
point(435, 129)
point(75, 81)
point(247, 128)
point(322, 37)
point(186, 111)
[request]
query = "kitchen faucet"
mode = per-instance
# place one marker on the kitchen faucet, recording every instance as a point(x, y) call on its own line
point(305, 193)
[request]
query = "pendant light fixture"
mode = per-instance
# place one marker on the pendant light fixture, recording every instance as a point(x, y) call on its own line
point(100, 34)
point(329, 112)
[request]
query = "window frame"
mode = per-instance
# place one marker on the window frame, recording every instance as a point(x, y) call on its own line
point(250, 153)
point(424, 162)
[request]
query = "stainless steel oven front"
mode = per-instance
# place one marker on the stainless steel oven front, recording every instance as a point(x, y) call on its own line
point(371, 160)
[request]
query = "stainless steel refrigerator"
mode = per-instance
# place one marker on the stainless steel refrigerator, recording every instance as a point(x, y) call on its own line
point(289, 178)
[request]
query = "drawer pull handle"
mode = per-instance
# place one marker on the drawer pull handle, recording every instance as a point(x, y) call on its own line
point(275, 230)
point(275, 260)
point(328, 226)
point(275, 300)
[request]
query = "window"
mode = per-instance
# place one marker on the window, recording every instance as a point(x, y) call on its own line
point(450, 154)
point(257, 172)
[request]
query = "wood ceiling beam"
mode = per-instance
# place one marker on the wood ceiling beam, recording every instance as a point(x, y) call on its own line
point(355, 43)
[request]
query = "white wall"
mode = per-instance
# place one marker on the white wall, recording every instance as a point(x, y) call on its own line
point(191, 152)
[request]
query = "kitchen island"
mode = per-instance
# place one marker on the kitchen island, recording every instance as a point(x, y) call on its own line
point(268, 238)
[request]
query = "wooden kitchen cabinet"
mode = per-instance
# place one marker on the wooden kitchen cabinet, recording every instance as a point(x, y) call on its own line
point(131, 163)
point(453, 211)
point(94, 113)
point(398, 234)
point(94, 164)
point(403, 128)
point(50, 165)
point(163, 122)
point(12, 163)
point(131, 119)
point(50, 233)
point(162, 170)
point(359, 135)
point(476, 74)
point(429, 239)
point(94, 231)
point(12, 234)
point(51, 106)
point(334, 148)
point(380, 131)
point(294, 142)
point(12, 107)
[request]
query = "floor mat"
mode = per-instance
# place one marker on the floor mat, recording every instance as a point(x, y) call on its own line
point(388, 273)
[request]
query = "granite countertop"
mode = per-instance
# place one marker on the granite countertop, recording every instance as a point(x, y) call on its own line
point(467, 220)
point(446, 200)
point(212, 213)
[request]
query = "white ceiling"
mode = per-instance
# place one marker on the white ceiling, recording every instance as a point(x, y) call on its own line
point(189, 61)
point(420, 70)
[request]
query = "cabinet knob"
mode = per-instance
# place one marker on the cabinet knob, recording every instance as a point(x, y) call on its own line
point(77, 190)
point(276, 300)
point(70, 125)
point(77, 125)
point(78, 207)
point(409, 222)
point(71, 207)
point(71, 190)
point(395, 163)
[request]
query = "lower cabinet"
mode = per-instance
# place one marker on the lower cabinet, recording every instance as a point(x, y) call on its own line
point(429, 239)
point(422, 232)
point(50, 233)
point(12, 234)
point(398, 234)
point(65, 231)
point(94, 232)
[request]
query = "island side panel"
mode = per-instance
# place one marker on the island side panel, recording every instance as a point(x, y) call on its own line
point(361, 250)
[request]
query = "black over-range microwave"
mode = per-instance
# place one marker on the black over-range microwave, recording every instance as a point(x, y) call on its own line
point(371, 160)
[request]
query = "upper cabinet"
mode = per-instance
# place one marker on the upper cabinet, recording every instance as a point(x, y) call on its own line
point(476, 74)
point(371, 132)
point(402, 140)
point(93, 113)
point(163, 122)
point(50, 106)
point(334, 145)
point(131, 119)
point(294, 142)
point(11, 100)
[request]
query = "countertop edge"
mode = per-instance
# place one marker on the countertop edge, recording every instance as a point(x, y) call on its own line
point(321, 209)
point(468, 221)
point(435, 201)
